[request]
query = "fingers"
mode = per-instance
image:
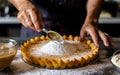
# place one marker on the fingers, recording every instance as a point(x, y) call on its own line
point(36, 19)
point(107, 40)
point(83, 34)
point(92, 32)
point(104, 38)
point(25, 20)
point(94, 35)
point(111, 42)
point(21, 18)
point(30, 19)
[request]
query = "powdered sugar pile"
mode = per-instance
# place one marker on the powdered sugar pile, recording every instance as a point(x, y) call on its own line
point(55, 48)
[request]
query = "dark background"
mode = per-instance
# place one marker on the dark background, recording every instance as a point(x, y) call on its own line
point(110, 6)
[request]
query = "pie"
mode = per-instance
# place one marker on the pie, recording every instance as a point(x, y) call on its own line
point(50, 54)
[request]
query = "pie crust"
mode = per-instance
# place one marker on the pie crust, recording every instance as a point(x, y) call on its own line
point(87, 52)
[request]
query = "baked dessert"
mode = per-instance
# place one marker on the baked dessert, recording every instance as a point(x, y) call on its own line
point(51, 54)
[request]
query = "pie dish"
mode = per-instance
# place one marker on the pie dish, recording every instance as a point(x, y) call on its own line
point(46, 53)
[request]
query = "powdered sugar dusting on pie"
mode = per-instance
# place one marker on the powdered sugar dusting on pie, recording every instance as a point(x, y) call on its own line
point(75, 49)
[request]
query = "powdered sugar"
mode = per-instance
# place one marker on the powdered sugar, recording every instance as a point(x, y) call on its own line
point(55, 48)
point(70, 49)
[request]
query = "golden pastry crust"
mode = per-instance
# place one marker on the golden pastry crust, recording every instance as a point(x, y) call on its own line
point(59, 61)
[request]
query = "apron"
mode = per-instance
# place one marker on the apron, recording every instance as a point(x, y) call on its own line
point(63, 16)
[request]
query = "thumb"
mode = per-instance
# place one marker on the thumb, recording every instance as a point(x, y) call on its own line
point(82, 35)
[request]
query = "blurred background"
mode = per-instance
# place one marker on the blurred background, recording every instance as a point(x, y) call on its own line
point(109, 19)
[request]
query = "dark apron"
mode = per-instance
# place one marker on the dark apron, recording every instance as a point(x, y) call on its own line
point(63, 16)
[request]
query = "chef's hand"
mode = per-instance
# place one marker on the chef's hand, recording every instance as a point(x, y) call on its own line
point(30, 16)
point(96, 34)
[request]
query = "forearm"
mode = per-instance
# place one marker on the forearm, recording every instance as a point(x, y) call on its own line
point(93, 10)
point(19, 3)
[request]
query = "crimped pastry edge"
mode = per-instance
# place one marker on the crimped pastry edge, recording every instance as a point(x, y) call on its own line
point(58, 63)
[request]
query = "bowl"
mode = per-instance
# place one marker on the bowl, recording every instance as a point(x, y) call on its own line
point(8, 50)
point(115, 60)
